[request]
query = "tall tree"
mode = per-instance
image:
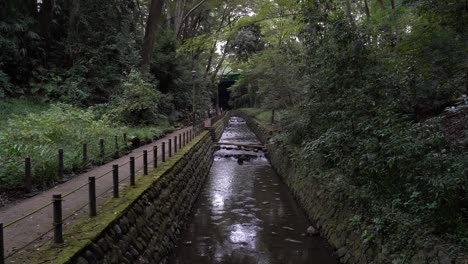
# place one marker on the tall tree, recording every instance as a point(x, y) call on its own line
point(150, 32)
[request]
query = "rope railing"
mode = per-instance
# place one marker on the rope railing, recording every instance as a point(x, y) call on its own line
point(189, 134)
point(26, 215)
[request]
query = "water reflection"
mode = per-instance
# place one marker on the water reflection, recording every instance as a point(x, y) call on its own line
point(245, 214)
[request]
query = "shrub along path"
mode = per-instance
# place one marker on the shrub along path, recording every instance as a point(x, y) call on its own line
point(22, 232)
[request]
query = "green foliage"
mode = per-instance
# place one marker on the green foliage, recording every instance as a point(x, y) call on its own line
point(246, 41)
point(272, 79)
point(5, 85)
point(40, 135)
point(138, 105)
point(20, 107)
point(363, 100)
point(367, 127)
point(42, 54)
point(260, 114)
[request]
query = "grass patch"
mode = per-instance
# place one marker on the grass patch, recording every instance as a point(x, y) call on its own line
point(20, 107)
point(263, 115)
point(259, 114)
point(40, 134)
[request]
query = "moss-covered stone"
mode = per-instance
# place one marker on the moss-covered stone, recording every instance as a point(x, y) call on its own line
point(146, 220)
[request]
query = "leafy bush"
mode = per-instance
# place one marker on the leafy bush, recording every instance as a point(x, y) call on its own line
point(5, 85)
point(139, 103)
point(40, 135)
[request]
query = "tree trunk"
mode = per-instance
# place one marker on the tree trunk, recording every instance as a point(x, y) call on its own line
point(392, 2)
point(272, 116)
point(150, 32)
point(45, 17)
point(213, 48)
point(74, 10)
point(187, 15)
point(179, 15)
point(366, 9)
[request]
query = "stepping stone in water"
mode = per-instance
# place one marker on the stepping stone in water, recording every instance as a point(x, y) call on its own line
point(311, 231)
point(288, 228)
point(293, 241)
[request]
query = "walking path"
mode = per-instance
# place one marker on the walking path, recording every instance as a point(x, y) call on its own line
point(23, 232)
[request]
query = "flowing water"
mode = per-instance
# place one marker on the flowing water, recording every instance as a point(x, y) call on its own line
point(245, 214)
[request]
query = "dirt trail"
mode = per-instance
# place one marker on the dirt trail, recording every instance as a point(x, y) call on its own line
point(21, 233)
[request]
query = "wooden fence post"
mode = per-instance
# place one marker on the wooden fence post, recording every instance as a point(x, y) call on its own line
point(60, 165)
point(2, 246)
point(125, 140)
point(58, 224)
point(132, 171)
point(85, 153)
point(145, 162)
point(170, 148)
point(116, 139)
point(27, 175)
point(115, 178)
point(102, 152)
point(155, 156)
point(92, 197)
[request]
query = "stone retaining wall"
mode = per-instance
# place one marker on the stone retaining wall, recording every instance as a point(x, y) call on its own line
point(221, 124)
point(144, 224)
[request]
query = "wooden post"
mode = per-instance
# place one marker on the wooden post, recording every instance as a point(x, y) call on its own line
point(170, 148)
point(184, 140)
point(92, 197)
point(85, 153)
point(272, 116)
point(60, 165)
point(155, 156)
point(58, 228)
point(116, 139)
point(102, 151)
point(27, 175)
point(115, 169)
point(2, 245)
point(175, 144)
point(180, 141)
point(125, 140)
point(132, 171)
point(163, 152)
point(145, 162)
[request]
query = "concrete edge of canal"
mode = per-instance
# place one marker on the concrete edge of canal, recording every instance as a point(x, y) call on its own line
point(142, 226)
point(332, 215)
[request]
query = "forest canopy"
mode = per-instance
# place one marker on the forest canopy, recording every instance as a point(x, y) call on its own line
point(360, 88)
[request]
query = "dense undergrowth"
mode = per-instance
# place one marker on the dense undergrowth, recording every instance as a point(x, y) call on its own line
point(39, 135)
point(405, 176)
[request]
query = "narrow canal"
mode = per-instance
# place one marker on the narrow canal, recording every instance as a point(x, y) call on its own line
point(245, 214)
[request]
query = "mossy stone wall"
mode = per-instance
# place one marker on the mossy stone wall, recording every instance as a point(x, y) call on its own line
point(144, 224)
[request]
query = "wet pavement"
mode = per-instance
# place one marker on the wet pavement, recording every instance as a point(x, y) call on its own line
point(245, 214)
